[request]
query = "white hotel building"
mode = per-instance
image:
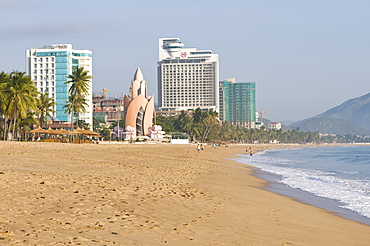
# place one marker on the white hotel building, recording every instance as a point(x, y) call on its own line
point(49, 67)
point(187, 78)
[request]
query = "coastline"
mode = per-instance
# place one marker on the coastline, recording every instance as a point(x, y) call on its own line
point(152, 195)
point(305, 197)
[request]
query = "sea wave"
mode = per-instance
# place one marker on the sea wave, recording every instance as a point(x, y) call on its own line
point(352, 193)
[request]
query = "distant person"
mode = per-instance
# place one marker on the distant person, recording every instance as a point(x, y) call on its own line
point(198, 148)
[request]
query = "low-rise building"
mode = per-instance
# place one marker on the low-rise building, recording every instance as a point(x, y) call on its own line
point(275, 125)
point(108, 109)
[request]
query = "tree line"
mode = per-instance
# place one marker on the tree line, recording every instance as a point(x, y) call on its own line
point(203, 126)
point(23, 106)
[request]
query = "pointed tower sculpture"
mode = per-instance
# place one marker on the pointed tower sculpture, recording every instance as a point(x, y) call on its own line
point(139, 108)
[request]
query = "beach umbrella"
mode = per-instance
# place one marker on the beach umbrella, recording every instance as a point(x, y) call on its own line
point(51, 131)
point(38, 130)
point(91, 133)
point(62, 131)
point(78, 131)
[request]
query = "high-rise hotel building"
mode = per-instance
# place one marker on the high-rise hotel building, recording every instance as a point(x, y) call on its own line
point(187, 78)
point(238, 103)
point(49, 67)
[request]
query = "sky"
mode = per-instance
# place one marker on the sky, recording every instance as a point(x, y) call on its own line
point(304, 56)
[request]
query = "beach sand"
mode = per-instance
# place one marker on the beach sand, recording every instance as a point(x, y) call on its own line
point(151, 194)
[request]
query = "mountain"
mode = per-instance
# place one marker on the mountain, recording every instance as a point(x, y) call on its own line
point(356, 111)
point(331, 126)
point(351, 117)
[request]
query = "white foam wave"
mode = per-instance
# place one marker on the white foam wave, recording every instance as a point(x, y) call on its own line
point(353, 194)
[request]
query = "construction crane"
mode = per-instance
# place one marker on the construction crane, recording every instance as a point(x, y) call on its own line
point(260, 113)
point(104, 93)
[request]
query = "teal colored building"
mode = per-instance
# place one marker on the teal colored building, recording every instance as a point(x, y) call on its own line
point(49, 67)
point(238, 103)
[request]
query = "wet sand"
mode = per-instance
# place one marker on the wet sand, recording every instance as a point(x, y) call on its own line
point(142, 194)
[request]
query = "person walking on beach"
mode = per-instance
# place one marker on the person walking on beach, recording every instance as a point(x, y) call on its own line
point(201, 148)
point(198, 148)
point(249, 151)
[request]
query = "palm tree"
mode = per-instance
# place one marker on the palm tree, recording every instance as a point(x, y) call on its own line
point(45, 105)
point(75, 105)
point(80, 82)
point(4, 77)
point(204, 122)
point(24, 124)
point(80, 85)
point(183, 122)
point(20, 98)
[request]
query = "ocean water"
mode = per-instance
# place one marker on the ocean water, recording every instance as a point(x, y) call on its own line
point(338, 174)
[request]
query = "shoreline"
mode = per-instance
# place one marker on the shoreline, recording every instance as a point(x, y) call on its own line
point(328, 204)
point(305, 197)
point(152, 195)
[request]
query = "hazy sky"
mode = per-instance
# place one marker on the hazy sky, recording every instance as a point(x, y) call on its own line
point(305, 56)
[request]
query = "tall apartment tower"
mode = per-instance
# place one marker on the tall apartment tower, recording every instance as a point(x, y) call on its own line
point(49, 67)
point(187, 78)
point(238, 103)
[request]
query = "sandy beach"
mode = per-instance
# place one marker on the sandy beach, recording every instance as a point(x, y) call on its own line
point(151, 194)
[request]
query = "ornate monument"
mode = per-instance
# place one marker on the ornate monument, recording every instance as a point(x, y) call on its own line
point(139, 108)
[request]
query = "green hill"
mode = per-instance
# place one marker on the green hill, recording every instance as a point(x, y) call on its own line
point(331, 126)
point(351, 117)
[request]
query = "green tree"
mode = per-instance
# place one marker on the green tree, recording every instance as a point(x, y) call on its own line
point(74, 106)
point(4, 77)
point(97, 124)
point(20, 95)
point(167, 123)
point(82, 124)
point(80, 85)
point(204, 121)
point(79, 81)
point(183, 122)
point(45, 105)
point(24, 124)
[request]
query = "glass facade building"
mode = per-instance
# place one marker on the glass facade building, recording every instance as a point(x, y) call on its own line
point(187, 77)
point(49, 67)
point(238, 103)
